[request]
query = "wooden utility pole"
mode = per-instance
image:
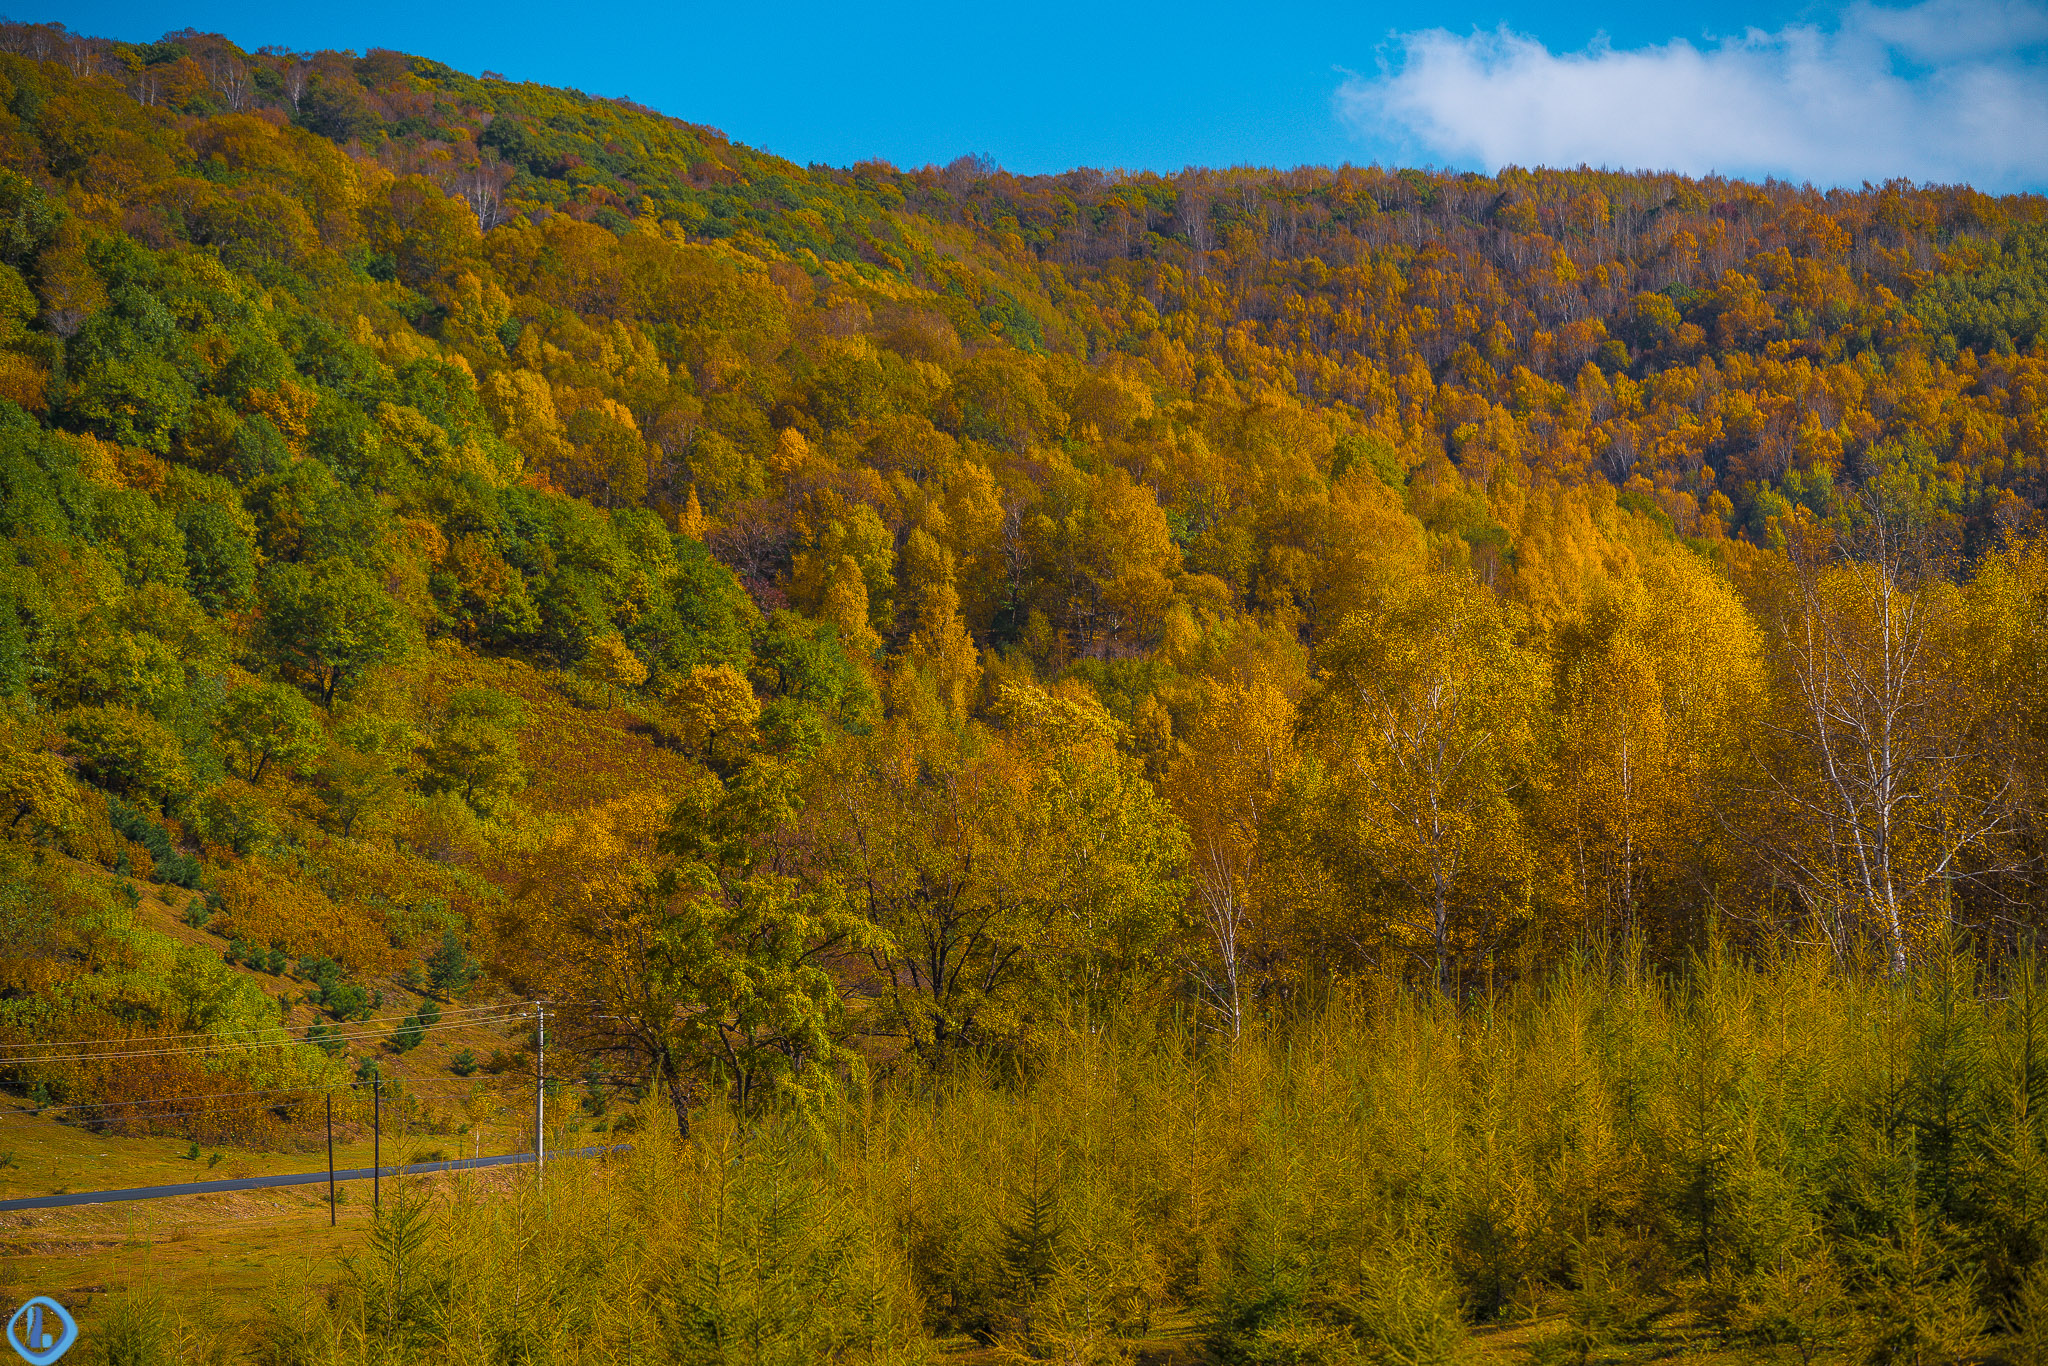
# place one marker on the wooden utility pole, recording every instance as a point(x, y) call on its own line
point(540, 1089)
point(330, 1159)
point(377, 1143)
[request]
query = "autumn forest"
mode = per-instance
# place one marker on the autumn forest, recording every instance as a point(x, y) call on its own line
point(1353, 765)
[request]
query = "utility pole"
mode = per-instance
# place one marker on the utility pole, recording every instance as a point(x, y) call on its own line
point(330, 1159)
point(540, 1089)
point(377, 1143)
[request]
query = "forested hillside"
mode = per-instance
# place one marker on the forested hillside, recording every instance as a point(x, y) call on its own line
point(823, 625)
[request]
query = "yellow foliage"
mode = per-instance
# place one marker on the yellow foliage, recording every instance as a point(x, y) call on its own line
point(612, 662)
point(691, 521)
point(523, 407)
point(289, 408)
point(23, 382)
point(845, 604)
point(711, 713)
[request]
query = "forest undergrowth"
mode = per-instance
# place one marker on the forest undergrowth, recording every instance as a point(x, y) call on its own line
point(1792, 1162)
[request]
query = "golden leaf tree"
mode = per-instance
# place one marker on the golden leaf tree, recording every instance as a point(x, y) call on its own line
point(1422, 723)
point(1225, 781)
point(1005, 868)
point(1651, 682)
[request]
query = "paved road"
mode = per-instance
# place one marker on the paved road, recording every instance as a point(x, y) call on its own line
point(249, 1183)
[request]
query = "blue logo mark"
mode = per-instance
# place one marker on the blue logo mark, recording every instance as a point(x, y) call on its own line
point(29, 1331)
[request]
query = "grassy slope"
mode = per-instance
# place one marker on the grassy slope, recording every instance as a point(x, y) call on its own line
point(233, 1247)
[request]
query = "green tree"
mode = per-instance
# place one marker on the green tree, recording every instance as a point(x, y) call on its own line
point(680, 944)
point(474, 750)
point(1424, 725)
point(364, 768)
point(220, 560)
point(35, 786)
point(129, 753)
point(450, 969)
point(332, 622)
point(1002, 869)
point(264, 724)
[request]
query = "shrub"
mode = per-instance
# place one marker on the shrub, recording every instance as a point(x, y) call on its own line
point(340, 998)
point(410, 1034)
point(168, 865)
point(450, 969)
point(135, 1330)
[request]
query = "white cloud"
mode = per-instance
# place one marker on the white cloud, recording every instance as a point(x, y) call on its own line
point(1954, 30)
point(1947, 90)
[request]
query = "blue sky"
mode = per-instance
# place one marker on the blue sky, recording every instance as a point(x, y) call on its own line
point(1939, 90)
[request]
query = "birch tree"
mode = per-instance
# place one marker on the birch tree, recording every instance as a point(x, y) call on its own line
point(1225, 781)
point(1423, 721)
point(1883, 790)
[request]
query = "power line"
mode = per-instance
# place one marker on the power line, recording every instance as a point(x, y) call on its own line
point(406, 1086)
point(231, 1045)
point(295, 1179)
point(280, 1098)
point(457, 1085)
point(40, 1110)
point(234, 1046)
point(204, 1034)
point(152, 1115)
